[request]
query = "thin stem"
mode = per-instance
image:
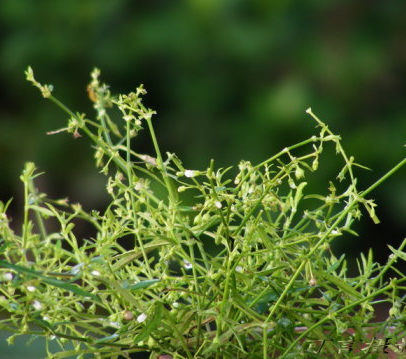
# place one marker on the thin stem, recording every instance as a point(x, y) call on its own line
point(25, 224)
point(130, 175)
point(392, 259)
point(324, 126)
point(169, 186)
point(226, 293)
point(384, 178)
point(118, 160)
point(281, 153)
point(38, 216)
point(62, 106)
point(198, 299)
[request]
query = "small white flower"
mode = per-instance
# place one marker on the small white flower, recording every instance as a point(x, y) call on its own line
point(138, 186)
point(37, 305)
point(76, 269)
point(96, 273)
point(8, 276)
point(148, 115)
point(31, 288)
point(141, 317)
point(218, 204)
point(187, 265)
point(238, 269)
point(45, 317)
point(128, 117)
point(175, 304)
point(148, 159)
point(190, 173)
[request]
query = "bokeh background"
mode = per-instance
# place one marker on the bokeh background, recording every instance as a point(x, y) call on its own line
point(230, 80)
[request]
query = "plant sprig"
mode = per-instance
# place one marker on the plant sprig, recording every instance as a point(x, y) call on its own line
point(236, 273)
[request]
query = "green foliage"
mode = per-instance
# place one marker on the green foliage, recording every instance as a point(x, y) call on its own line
point(246, 68)
point(244, 270)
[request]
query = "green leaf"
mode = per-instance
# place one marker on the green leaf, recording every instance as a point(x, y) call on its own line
point(49, 280)
point(72, 288)
point(341, 284)
point(398, 253)
point(45, 211)
point(118, 290)
point(125, 258)
point(106, 339)
point(299, 193)
point(336, 264)
point(151, 324)
point(265, 238)
point(144, 284)
point(43, 323)
point(113, 127)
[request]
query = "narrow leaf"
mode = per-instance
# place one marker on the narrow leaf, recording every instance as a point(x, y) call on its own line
point(106, 339)
point(45, 211)
point(144, 284)
point(341, 284)
point(398, 253)
point(151, 325)
point(125, 258)
point(51, 281)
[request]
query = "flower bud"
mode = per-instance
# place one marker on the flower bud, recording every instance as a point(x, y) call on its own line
point(299, 173)
point(128, 315)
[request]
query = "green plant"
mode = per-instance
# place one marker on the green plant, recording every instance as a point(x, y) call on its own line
point(235, 274)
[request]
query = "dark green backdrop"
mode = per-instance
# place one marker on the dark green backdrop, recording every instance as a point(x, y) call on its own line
point(229, 79)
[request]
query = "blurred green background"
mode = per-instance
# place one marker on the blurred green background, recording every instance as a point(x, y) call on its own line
point(229, 79)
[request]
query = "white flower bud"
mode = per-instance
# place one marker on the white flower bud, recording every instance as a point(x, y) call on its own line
point(37, 305)
point(187, 264)
point(299, 173)
point(141, 318)
point(315, 164)
point(8, 276)
point(190, 173)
